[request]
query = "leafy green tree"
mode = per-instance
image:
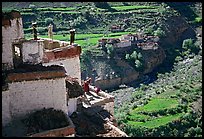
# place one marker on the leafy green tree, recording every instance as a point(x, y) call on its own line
point(138, 64)
point(110, 50)
point(48, 21)
point(104, 5)
point(127, 56)
point(33, 7)
point(134, 55)
point(139, 56)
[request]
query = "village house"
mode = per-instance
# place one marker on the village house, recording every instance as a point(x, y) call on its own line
point(137, 40)
point(115, 28)
point(41, 73)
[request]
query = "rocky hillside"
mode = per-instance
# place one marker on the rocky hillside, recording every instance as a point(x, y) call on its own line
point(112, 72)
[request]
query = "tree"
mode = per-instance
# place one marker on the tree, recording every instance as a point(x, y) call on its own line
point(138, 64)
point(110, 50)
point(48, 21)
point(33, 7)
point(139, 56)
point(134, 55)
point(127, 56)
point(104, 5)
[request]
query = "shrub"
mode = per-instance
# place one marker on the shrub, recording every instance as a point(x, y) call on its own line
point(159, 32)
point(189, 46)
point(149, 31)
point(198, 20)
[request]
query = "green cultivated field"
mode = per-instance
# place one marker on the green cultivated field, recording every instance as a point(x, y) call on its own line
point(124, 8)
point(87, 39)
point(158, 104)
point(157, 121)
point(135, 118)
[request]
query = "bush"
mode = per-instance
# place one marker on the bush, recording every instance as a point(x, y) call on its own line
point(159, 32)
point(198, 20)
point(149, 31)
point(189, 46)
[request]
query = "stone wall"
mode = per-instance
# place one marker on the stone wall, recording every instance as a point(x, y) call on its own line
point(26, 96)
point(115, 82)
point(108, 83)
point(12, 31)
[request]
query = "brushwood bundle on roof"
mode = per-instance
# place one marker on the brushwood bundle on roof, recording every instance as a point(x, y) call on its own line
point(74, 88)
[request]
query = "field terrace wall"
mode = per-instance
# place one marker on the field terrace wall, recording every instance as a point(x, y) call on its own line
point(30, 91)
point(12, 31)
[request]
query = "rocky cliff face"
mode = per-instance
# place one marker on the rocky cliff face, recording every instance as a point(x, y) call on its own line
point(177, 29)
point(109, 73)
point(153, 57)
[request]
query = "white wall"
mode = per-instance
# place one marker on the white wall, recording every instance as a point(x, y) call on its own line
point(124, 44)
point(71, 65)
point(6, 115)
point(9, 34)
point(72, 105)
point(32, 51)
point(27, 96)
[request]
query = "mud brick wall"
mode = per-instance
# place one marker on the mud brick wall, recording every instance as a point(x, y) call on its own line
point(33, 94)
point(12, 30)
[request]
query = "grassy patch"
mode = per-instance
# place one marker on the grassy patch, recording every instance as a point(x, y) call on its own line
point(124, 8)
point(198, 20)
point(157, 121)
point(158, 104)
point(138, 117)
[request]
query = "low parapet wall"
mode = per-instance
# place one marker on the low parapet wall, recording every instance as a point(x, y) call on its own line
point(61, 53)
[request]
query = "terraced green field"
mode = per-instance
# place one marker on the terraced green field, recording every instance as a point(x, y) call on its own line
point(157, 121)
point(87, 39)
point(158, 104)
point(125, 8)
point(136, 118)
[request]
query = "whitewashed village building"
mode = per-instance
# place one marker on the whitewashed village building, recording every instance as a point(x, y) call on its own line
point(36, 73)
